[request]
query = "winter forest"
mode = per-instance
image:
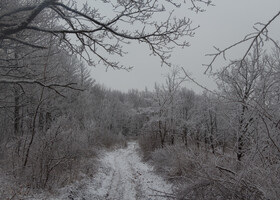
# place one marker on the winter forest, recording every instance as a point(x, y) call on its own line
point(65, 136)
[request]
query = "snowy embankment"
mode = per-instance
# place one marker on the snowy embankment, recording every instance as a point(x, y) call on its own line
point(121, 176)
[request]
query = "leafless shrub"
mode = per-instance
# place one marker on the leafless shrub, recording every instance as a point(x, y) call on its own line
point(109, 140)
point(201, 175)
point(148, 143)
point(56, 158)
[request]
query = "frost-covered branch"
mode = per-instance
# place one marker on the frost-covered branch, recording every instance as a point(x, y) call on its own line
point(103, 36)
point(257, 39)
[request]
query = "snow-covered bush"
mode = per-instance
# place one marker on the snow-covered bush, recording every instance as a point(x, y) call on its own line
point(56, 157)
point(148, 142)
point(107, 139)
point(203, 175)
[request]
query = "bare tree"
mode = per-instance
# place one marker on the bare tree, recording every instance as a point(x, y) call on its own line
point(258, 38)
point(97, 34)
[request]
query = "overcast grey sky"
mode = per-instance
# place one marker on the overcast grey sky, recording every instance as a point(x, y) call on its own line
point(225, 23)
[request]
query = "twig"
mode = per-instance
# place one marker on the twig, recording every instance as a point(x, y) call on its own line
point(253, 36)
point(224, 169)
point(198, 84)
point(165, 194)
point(159, 195)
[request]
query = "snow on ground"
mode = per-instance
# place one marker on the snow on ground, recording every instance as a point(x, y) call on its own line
point(121, 176)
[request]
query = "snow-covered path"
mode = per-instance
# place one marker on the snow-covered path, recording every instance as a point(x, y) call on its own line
point(122, 176)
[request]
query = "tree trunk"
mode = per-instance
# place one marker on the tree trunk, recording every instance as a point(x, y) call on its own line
point(16, 111)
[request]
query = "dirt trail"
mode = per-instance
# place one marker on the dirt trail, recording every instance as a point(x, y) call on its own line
point(122, 176)
point(131, 178)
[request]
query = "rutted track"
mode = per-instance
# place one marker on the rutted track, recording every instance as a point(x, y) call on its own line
point(122, 176)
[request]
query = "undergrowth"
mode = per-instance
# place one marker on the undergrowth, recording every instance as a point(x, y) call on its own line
point(59, 156)
point(200, 174)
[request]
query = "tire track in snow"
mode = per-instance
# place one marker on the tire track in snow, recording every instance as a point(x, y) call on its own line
point(133, 179)
point(122, 176)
